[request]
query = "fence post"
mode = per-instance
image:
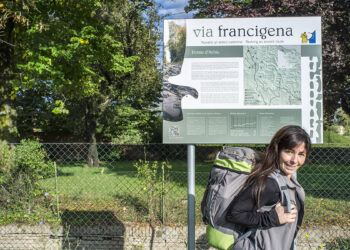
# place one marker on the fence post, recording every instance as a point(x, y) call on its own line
point(56, 188)
point(191, 196)
point(162, 202)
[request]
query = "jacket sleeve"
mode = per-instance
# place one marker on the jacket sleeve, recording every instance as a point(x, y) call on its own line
point(243, 209)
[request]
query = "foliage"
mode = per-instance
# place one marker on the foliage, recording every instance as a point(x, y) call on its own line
point(343, 119)
point(32, 159)
point(34, 113)
point(153, 184)
point(21, 169)
point(203, 7)
point(335, 37)
point(13, 14)
point(72, 51)
point(8, 129)
point(75, 63)
point(113, 155)
point(157, 130)
point(15, 10)
point(41, 212)
point(118, 190)
point(129, 137)
point(339, 243)
point(130, 125)
point(118, 195)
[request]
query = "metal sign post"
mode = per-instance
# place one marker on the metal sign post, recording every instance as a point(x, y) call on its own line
point(191, 196)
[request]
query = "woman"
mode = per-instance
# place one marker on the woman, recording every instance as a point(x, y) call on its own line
point(258, 205)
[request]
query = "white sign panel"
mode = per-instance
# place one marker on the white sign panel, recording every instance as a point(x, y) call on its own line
point(240, 80)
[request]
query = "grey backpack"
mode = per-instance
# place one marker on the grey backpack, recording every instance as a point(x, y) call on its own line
point(231, 168)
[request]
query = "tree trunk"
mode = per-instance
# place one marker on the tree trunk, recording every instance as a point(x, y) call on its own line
point(8, 119)
point(90, 125)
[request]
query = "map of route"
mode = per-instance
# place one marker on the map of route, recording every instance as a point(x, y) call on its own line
point(272, 75)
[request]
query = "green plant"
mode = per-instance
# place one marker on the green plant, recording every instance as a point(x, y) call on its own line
point(131, 136)
point(152, 180)
point(343, 119)
point(32, 160)
point(114, 155)
point(6, 159)
point(67, 242)
point(332, 137)
point(21, 169)
point(339, 244)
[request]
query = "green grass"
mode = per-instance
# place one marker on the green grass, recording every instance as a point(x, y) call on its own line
point(332, 137)
point(117, 189)
point(42, 210)
point(91, 195)
point(325, 181)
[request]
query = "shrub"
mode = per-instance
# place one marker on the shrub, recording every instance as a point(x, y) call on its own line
point(32, 160)
point(130, 137)
point(21, 168)
point(151, 175)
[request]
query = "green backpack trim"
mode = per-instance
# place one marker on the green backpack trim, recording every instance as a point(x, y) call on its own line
point(241, 166)
point(219, 240)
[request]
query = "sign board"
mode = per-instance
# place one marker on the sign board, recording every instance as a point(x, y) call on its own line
point(239, 80)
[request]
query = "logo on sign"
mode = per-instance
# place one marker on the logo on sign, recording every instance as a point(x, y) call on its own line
point(308, 37)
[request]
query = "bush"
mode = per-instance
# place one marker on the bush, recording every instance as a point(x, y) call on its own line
point(130, 137)
point(151, 176)
point(21, 168)
point(114, 155)
point(31, 159)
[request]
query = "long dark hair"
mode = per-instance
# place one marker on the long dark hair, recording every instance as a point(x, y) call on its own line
point(287, 137)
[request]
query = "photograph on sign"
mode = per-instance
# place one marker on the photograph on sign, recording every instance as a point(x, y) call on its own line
point(239, 80)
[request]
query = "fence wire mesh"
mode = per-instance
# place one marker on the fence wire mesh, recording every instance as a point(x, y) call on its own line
point(120, 202)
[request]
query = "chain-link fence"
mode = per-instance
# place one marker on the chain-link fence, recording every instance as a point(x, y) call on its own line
point(107, 196)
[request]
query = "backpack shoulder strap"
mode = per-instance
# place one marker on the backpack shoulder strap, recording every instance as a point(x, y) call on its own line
point(285, 197)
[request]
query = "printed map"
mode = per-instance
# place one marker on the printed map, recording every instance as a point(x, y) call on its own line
point(272, 75)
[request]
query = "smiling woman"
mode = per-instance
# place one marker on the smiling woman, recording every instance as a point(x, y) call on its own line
point(292, 159)
point(258, 205)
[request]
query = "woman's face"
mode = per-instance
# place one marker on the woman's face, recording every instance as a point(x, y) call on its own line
point(292, 159)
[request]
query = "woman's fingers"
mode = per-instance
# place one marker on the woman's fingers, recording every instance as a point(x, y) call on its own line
point(285, 217)
point(289, 217)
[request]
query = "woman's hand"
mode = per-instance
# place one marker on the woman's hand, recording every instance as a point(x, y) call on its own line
point(285, 217)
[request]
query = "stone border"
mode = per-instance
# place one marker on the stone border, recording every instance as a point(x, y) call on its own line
point(132, 236)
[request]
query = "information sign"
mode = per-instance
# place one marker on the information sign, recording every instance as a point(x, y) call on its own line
point(238, 80)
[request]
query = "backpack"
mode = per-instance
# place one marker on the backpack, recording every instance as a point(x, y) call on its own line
point(231, 169)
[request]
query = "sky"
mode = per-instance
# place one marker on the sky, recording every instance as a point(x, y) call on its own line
point(173, 8)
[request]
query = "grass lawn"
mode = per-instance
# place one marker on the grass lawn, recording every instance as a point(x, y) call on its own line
point(332, 137)
point(113, 193)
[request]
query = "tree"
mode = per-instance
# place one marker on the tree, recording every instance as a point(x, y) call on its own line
point(335, 37)
point(92, 54)
point(13, 14)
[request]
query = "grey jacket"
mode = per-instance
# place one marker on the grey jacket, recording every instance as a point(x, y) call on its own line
point(262, 223)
